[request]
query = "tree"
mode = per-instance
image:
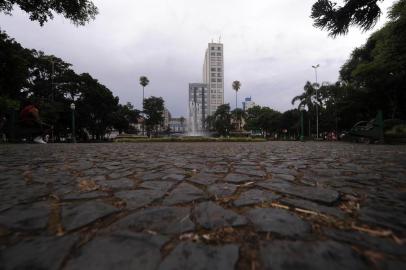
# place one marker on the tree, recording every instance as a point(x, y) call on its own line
point(337, 19)
point(376, 71)
point(124, 116)
point(154, 112)
point(209, 122)
point(290, 120)
point(182, 122)
point(268, 120)
point(143, 82)
point(78, 12)
point(51, 83)
point(222, 120)
point(238, 115)
point(307, 97)
point(96, 107)
point(236, 86)
point(252, 119)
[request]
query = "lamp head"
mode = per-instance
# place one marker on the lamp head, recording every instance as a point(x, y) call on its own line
point(72, 106)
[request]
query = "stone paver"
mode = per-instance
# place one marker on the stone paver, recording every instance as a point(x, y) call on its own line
point(323, 195)
point(164, 220)
point(139, 198)
point(125, 250)
point(320, 255)
point(39, 253)
point(221, 190)
point(271, 205)
point(201, 257)
point(183, 193)
point(26, 216)
point(211, 216)
point(255, 196)
point(77, 215)
point(278, 221)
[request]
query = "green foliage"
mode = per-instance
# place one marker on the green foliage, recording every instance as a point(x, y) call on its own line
point(124, 116)
point(48, 80)
point(79, 11)
point(222, 120)
point(263, 119)
point(144, 81)
point(372, 79)
point(238, 115)
point(154, 113)
point(236, 85)
point(268, 120)
point(337, 19)
point(377, 70)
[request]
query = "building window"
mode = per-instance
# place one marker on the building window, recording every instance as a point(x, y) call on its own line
point(218, 69)
point(219, 48)
point(213, 69)
point(219, 54)
point(212, 54)
point(213, 80)
point(219, 80)
point(218, 74)
point(212, 48)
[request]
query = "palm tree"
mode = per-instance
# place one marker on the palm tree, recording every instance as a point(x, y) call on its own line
point(236, 87)
point(307, 98)
point(144, 82)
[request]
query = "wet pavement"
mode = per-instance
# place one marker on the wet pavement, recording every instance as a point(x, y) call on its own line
point(268, 205)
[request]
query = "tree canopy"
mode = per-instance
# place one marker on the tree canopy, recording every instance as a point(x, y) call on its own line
point(154, 113)
point(32, 75)
point(78, 12)
point(337, 19)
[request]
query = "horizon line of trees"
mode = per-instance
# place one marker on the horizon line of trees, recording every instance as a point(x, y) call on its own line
point(28, 75)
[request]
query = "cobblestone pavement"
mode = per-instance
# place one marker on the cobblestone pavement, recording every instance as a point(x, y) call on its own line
point(274, 205)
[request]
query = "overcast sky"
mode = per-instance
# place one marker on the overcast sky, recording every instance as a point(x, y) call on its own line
point(269, 46)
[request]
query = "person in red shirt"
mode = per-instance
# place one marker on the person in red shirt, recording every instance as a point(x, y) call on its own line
point(31, 121)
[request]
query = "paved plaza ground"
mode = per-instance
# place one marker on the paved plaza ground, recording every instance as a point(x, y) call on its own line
point(268, 205)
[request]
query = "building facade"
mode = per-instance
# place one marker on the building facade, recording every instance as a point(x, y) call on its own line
point(198, 106)
point(213, 76)
point(177, 125)
point(248, 103)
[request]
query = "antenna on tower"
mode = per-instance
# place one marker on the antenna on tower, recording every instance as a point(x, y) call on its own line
point(220, 39)
point(211, 40)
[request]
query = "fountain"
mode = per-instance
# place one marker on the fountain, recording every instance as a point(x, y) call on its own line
point(195, 121)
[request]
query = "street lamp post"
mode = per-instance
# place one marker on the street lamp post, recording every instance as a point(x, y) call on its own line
point(317, 98)
point(301, 108)
point(72, 106)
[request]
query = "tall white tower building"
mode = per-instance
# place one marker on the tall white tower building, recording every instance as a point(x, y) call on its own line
point(213, 76)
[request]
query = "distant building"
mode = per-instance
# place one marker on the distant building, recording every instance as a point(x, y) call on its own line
point(167, 118)
point(213, 76)
point(198, 106)
point(177, 124)
point(248, 103)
